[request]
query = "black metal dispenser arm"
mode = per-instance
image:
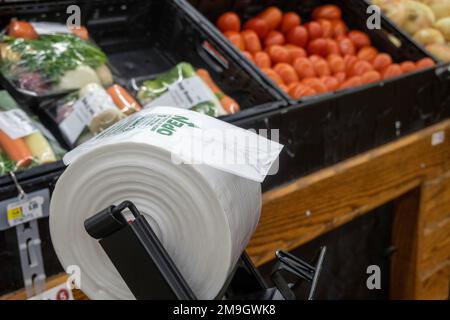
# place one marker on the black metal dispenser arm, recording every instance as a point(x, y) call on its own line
point(150, 273)
point(138, 255)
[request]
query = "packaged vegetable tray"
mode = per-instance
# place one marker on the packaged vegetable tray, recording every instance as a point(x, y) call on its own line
point(185, 87)
point(24, 142)
point(82, 114)
point(42, 59)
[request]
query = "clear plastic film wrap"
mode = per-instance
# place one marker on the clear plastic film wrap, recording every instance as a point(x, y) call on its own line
point(24, 142)
point(203, 211)
point(185, 87)
point(90, 110)
point(52, 61)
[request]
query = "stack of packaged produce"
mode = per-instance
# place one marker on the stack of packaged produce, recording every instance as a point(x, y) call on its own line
point(24, 142)
point(47, 58)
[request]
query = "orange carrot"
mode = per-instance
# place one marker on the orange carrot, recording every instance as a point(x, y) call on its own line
point(229, 104)
point(16, 149)
point(123, 100)
point(22, 29)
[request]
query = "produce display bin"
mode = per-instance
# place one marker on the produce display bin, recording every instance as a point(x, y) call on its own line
point(323, 130)
point(145, 38)
point(36, 179)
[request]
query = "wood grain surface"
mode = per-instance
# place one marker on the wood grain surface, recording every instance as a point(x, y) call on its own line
point(413, 172)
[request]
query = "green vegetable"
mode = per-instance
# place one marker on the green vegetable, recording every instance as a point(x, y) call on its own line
point(207, 108)
point(152, 89)
point(53, 55)
point(6, 164)
point(6, 101)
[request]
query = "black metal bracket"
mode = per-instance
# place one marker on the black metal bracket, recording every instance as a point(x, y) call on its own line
point(150, 273)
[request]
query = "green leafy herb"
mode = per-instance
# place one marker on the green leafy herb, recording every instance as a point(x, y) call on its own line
point(53, 55)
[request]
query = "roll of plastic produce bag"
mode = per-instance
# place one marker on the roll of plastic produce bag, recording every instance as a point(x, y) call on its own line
point(203, 212)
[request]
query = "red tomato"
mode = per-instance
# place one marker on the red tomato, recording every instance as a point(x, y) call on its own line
point(316, 84)
point(314, 58)
point(295, 51)
point(273, 75)
point(425, 63)
point(339, 28)
point(283, 87)
point(319, 47)
point(80, 32)
point(327, 12)
point(327, 28)
point(314, 30)
point(371, 76)
point(278, 54)
point(229, 21)
point(262, 59)
point(299, 90)
point(359, 39)
point(273, 17)
point(298, 36)
point(360, 68)
point(330, 82)
point(408, 66)
point(304, 68)
point(286, 72)
point(382, 61)
point(22, 29)
point(321, 68)
point(333, 47)
point(341, 76)
point(346, 46)
point(248, 55)
point(352, 82)
point(367, 54)
point(289, 21)
point(258, 25)
point(236, 39)
point(336, 63)
point(273, 38)
point(251, 39)
point(350, 62)
point(392, 71)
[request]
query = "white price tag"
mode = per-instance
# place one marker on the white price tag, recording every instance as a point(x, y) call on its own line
point(42, 28)
point(437, 138)
point(60, 292)
point(24, 210)
point(184, 94)
point(84, 110)
point(16, 124)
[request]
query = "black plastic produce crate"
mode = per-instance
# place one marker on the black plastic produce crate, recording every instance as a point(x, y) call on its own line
point(144, 38)
point(36, 179)
point(323, 130)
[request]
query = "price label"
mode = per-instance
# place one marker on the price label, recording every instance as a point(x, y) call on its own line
point(16, 123)
point(24, 210)
point(60, 292)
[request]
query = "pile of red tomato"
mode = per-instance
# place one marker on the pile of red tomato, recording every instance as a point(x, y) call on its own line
point(315, 57)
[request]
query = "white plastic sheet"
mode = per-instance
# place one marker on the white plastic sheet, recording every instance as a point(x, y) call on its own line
point(203, 215)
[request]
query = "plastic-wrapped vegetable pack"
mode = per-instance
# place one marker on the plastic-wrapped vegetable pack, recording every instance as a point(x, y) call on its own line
point(52, 61)
point(187, 88)
point(24, 142)
point(87, 112)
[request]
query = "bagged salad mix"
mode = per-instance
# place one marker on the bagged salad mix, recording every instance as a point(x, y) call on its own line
point(45, 58)
point(24, 142)
point(187, 88)
point(90, 110)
